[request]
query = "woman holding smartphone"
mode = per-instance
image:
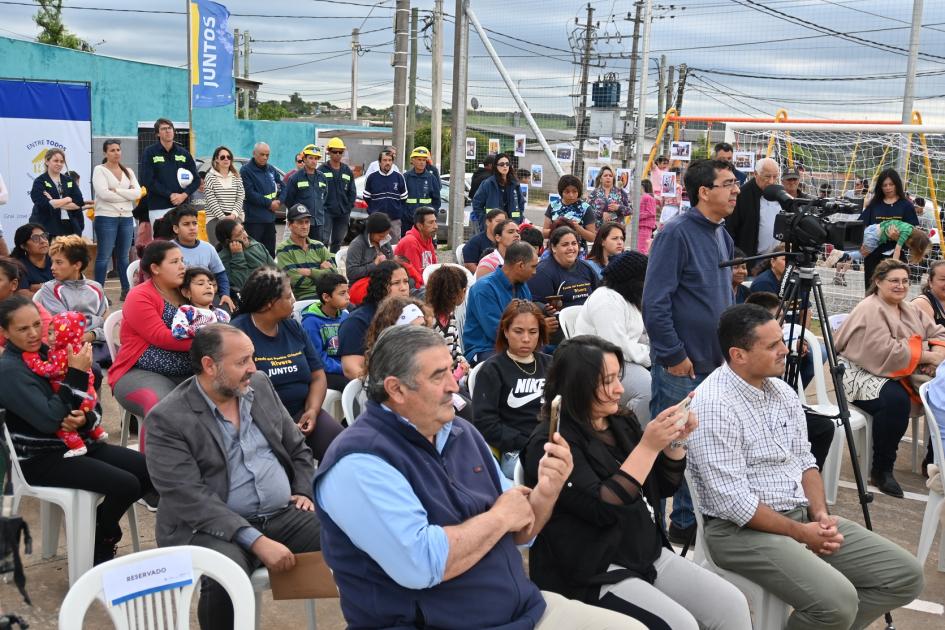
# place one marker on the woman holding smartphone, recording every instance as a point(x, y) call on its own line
point(603, 544)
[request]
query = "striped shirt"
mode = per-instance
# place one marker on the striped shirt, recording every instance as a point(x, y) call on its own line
point(224, 195)
point(750, 447)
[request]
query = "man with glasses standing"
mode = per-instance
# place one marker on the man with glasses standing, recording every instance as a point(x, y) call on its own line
point(299, 161)
point(423, 186)
point(340, 194)
point(168, 172)
point(684, 294)
point(752, 223)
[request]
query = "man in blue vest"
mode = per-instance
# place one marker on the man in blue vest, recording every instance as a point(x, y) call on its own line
point(419, 525)
point(261, 183)
point(423, 186)
point(340, 195)
point(307, 187)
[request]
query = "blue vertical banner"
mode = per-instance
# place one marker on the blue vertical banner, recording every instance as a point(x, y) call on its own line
point(211, 61)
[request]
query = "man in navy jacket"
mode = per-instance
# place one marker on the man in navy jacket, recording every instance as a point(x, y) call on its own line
point(684, 294)
point(340, 194)
point(261, 183)
point(168, 172)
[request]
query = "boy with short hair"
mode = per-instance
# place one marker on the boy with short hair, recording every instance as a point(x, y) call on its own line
point(69, 290)
point(322, 320)
point(199, 253)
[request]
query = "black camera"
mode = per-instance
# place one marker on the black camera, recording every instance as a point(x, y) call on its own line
point(806, 223)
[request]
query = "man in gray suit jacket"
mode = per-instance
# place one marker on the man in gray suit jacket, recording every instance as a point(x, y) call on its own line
point(231, 466)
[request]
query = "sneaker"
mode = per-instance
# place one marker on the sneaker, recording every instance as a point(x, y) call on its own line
point(681, 535)
point(150, 501)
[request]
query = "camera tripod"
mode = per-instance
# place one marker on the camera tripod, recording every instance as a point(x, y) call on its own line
point(801, 282)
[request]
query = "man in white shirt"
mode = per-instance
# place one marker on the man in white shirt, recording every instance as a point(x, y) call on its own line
point(762, 496)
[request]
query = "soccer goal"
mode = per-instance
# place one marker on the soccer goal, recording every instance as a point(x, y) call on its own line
point(836, 160)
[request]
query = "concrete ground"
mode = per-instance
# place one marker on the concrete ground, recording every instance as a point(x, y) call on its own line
point(47, 580)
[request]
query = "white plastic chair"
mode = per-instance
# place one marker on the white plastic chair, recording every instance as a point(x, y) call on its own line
point(341, 259)
point(77, 510)
point(112, 340)
point(936, 503)
point(260, 581)
point(352, 395)
point(299, 306)
point(767, 611)
point(567, 319)
point(471, 379)
point(168, 609)
point(459, 253)
point(132, 272)
point(428, 271)
point(822, 405)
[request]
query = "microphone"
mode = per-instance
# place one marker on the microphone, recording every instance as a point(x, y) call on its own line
point(776, 192)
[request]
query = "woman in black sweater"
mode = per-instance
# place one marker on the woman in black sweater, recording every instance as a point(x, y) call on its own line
point(34, 412)
point(603, 544)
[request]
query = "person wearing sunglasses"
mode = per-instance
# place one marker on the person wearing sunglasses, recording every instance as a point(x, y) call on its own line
point(299, 163)
point(224, 191)
point(340, 195)
point(500, 191)
point(31, 248)
point(423, 187)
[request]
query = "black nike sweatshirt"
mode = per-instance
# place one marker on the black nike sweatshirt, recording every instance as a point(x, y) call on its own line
point(507, 399)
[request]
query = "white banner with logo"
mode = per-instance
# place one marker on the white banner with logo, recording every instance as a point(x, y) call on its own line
point(35, 117)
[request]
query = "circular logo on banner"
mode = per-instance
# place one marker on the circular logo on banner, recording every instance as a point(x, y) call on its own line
point(184, 177)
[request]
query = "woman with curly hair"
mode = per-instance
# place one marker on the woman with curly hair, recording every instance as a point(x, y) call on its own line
point(446, 291)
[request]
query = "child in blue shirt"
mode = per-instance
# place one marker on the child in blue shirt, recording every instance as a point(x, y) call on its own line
point(322, 320)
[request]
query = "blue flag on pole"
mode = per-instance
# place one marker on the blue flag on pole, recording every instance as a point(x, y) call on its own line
point(211, 45)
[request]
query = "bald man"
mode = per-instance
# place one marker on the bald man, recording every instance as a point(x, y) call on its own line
point(262, 185)
point(752, 223)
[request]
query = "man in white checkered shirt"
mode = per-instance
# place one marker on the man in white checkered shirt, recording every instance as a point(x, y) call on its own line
point(763, 498)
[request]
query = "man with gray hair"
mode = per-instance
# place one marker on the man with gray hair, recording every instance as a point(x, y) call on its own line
point(752, 223)
point(262, 184)
point(419, 524)
point(231, 466)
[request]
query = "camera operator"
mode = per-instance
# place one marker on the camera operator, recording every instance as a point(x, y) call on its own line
point(888, 202)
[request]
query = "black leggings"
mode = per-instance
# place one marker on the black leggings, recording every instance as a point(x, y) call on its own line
point(890, 420)
point(118, 473)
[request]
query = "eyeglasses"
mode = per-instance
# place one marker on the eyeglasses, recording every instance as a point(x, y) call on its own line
point(503, 164)
point(298, 161)
point(336, 151)
point(225, 157)
point(731, 183)
point(900, 281)
point(39, 238)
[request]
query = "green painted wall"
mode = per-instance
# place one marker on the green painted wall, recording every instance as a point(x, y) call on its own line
point(126, 92)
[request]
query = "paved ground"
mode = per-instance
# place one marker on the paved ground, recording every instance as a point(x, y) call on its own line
point(899, 520)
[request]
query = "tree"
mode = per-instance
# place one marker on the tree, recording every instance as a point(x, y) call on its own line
point(49, 19)
point(271, 110)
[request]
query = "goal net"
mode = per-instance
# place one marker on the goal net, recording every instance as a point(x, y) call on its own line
point(844, 161)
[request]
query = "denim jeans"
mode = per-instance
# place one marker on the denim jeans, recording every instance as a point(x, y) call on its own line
point(667, 391)
point(113, 233)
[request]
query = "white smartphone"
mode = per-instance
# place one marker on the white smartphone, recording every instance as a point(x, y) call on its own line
point(683, 410)
point(555, 418)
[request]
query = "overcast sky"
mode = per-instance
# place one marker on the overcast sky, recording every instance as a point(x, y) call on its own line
point(731, 44)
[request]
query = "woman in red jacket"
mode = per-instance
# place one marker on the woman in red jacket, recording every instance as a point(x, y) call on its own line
point(151, 362)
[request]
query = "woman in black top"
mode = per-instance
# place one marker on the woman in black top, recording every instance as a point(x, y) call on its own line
point(31, 247)
point(603, 544)
point(931, 300)
point(888, 201)
point(510, 383)
point(35, 412)
point(57, 200)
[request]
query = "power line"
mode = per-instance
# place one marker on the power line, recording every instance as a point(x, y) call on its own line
point(303, 63)
point(771, 77)
point(311, 39)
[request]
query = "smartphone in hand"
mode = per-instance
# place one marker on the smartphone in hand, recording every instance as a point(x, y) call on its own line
point(555, 418)
point(683, 410)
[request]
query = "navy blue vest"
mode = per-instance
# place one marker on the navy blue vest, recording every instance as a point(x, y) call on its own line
point(453, 487)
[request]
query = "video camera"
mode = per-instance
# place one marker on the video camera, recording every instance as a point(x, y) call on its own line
point(804, 223)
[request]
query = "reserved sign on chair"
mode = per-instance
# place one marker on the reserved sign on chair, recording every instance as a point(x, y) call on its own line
point(158, 573)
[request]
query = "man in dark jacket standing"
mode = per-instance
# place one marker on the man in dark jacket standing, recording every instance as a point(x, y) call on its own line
point(482, 173)
point(752, 223)
point(168, 171)
point(684, 294)
point(261, 183)
point(340, 194)
point(307, 187)
point(423, 187)
point(419, 524)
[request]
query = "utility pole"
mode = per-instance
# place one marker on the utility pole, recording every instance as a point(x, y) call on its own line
point(681, 88)
point(668, 103)
point(641, 127)
point(628, 121)
point(236, 65)
point(400, 78)
point(412, 98)
point(436, 106)
point(355, 51)
point(582, 108)
point(908, 96)
point(458, 139)
point(246, 40)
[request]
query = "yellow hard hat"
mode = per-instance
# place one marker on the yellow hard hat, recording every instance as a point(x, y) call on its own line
point(420, 152)
point(311, 149)
point(336, 143)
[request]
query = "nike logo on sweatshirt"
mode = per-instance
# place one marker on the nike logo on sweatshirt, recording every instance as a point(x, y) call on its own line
point(530, 388)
